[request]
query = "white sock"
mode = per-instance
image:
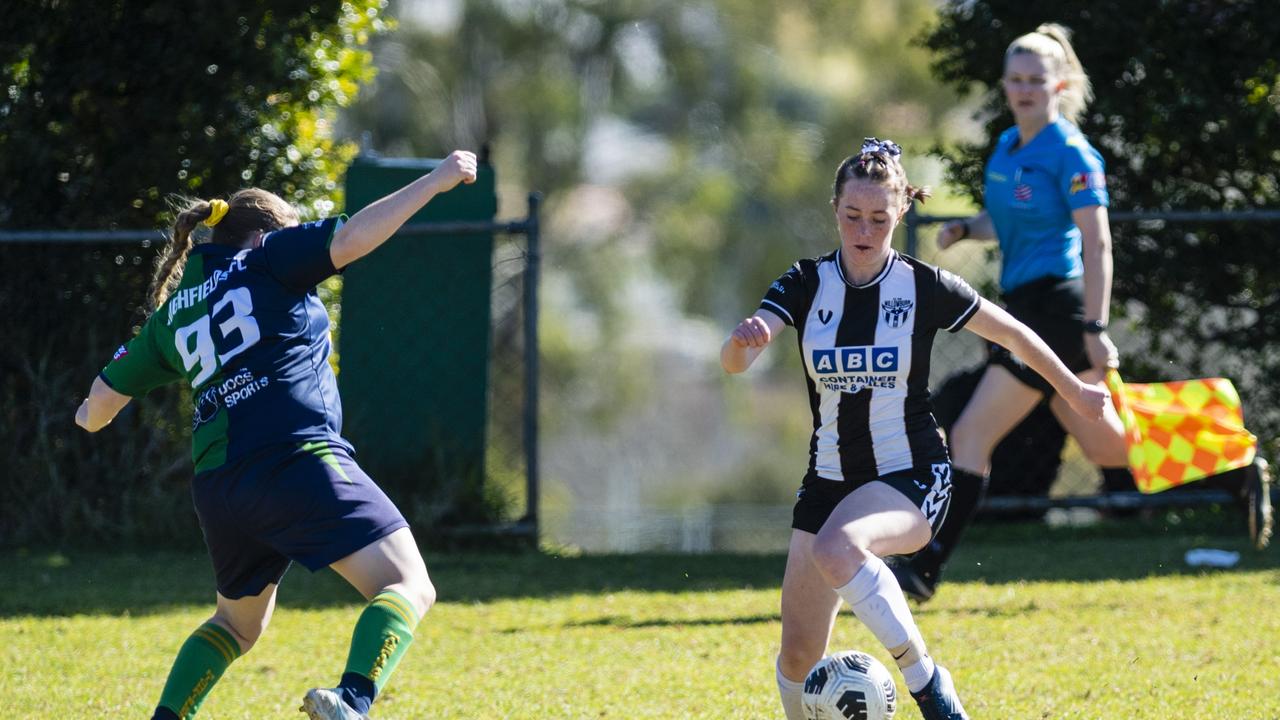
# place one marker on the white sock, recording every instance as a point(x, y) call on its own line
point(877, 600)
point(789, 691)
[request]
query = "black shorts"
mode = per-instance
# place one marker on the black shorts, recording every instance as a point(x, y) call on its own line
point(284, 503)
point(927, 488)
point(1053, 308)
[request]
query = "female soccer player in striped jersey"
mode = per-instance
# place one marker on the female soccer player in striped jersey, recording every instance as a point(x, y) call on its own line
point(238, 319)
point(879, 477)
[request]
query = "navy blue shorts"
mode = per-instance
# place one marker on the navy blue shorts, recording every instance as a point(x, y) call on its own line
point(927, 488)
point(285, 503)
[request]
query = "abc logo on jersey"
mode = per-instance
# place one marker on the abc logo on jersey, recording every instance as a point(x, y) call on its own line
point(865, 359)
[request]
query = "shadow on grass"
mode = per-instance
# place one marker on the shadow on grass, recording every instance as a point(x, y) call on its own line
point(626, 623)
point(93, 582)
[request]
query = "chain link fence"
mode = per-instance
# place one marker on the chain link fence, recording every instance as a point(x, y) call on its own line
point(70, 298)
point(1038, 466)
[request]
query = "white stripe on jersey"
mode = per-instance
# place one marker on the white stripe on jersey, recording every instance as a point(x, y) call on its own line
point(966, 315)
point(888, 405)
point(781, 311)
point(830, 298)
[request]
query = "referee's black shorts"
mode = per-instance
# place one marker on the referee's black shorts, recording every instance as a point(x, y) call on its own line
point(1053, 308)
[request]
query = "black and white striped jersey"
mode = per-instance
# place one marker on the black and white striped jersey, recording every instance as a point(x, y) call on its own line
point(866, 355)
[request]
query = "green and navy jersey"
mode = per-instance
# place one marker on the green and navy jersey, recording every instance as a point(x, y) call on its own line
point(247, 333)
point(1030, 193)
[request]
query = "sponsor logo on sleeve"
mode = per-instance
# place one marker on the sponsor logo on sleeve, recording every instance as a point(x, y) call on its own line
point(121, 352)
point(1080, 182)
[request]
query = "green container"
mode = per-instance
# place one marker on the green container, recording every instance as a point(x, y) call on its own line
point(414, 343)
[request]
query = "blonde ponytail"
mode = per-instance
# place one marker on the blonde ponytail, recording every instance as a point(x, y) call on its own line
point(1053, 42)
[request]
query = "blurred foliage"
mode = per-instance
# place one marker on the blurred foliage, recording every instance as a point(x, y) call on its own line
point(717, 126)
point(97, 131)
point(108, 107)
point(1187, 113)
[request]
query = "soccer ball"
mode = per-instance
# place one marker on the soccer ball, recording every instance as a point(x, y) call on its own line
point(849, 685)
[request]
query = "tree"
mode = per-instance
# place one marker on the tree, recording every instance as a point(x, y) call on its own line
point(108, 108)
point(687, 151)
point(736, 115)
point(1186, 116)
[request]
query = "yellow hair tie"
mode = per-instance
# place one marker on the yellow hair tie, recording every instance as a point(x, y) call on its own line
point(217, 210)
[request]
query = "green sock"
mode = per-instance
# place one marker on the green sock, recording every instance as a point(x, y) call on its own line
point(201, 661)
point(382, 634)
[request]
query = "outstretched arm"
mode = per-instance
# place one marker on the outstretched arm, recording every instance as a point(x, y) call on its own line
point(748, 340)
point(374, 224)
point(998, 326)
point(976, 227)
point(100, 408)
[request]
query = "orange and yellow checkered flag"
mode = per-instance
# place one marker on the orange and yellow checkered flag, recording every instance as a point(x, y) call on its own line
point(1181, 431)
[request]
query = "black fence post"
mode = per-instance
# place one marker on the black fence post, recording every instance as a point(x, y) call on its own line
point(532, 263)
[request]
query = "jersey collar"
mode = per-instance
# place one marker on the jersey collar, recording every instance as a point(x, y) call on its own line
point(1055, 131)
point(884, 273)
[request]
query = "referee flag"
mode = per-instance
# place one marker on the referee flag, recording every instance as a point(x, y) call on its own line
point(1181, 431)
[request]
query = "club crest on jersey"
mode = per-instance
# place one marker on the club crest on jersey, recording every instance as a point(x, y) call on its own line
point(896, 310)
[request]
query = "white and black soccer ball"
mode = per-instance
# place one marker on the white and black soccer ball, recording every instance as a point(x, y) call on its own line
point(849, 685)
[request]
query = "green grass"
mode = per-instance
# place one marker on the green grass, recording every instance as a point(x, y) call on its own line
point(1095, 623)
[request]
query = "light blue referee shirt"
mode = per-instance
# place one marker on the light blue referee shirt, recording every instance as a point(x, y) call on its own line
point(1030, 192)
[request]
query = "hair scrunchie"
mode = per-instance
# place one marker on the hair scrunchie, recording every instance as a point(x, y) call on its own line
point(217, 210)
point(877, 146)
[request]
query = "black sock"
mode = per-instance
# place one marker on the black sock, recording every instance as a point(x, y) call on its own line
point(967, 491)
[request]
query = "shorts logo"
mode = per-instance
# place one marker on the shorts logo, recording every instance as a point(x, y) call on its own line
point(778, 286)
point(895, 311)
point(935, 503)
point(863, 359)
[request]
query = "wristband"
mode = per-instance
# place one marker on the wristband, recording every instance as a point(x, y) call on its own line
point(1093, 327)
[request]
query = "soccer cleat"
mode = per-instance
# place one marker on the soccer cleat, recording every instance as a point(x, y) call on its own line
point(327, 704)
point(916, 585)
point(1258, 502)
point(938, 700)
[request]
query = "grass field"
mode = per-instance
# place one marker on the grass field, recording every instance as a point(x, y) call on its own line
point(1104, 622)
